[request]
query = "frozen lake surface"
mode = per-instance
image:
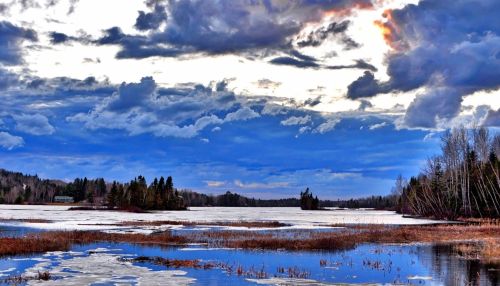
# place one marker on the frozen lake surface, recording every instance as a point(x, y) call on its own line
point(61, 218)
point(107, 264)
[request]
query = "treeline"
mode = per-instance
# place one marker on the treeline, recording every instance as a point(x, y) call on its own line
point(230, 199)
point(389, 202)
point(85, 189)
point(159, 195)
point(18, 188)
point(463, 181)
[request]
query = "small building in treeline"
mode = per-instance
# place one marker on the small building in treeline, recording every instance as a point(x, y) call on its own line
point(63, 199)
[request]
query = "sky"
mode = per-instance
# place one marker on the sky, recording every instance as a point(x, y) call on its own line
point(259, 97)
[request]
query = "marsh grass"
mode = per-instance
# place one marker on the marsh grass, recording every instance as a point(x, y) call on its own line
point(483, 239)
point(85, 237)
point(32, 244)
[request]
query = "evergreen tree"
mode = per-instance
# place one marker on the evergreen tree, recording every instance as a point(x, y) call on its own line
point(112, 199)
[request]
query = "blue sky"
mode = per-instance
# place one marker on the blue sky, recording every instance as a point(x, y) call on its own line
point(264, 98)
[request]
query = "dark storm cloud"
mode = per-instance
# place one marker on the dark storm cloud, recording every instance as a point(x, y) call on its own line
point(132, 94)
point(219, 27)
point(289, 61)
point(492, 118)
point(365, 86)
point(304, 61)
point(62, 38)
point(450, 47)
point(358, 64)
point(11, 37)
point(335, 29)
point(58, 38)
point(316, 38)
point(151, 20)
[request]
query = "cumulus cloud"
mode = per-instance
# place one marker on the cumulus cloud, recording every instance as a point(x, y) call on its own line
point(296, 120)
point(433, 107)
point(11, 37)
point(36, 124)
point(244, 113)
point(181, 111)
point(326, 126)
point(9, 141)
point(132, 95)
point(443, 46)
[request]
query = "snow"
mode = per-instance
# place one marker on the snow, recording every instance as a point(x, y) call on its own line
point(62, 219)
point(102, 268)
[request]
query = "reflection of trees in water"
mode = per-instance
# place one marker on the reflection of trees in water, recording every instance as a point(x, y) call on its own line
point(446, 266)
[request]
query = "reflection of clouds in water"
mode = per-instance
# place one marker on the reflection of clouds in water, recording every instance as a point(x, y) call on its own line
point(290, 281)
point(101, 267)
point(2, 272)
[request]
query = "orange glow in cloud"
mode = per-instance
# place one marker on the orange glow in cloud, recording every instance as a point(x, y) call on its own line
point(385, 30)
point(389, 30)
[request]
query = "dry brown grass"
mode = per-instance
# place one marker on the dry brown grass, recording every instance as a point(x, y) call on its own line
point(83, 237)
point(29, 245)
point(484, 239)
point(62, 240)
point(170, 263)
point(349, 237)
point(490, 251)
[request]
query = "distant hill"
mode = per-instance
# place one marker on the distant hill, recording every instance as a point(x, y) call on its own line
point(18, 188)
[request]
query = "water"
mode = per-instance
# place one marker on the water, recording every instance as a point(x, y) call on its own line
point(99, 264)
point(102, 264)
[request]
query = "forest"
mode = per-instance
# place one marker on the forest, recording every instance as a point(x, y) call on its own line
point(463, 181)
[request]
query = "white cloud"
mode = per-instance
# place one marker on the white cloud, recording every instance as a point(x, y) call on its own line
point(304, 129)
point(35, 124)
point(296, 120)
point(254, 185)
point(244, 113)
point(377, 126)
point(9, 141)
point(327, 126)
point(215, 184)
